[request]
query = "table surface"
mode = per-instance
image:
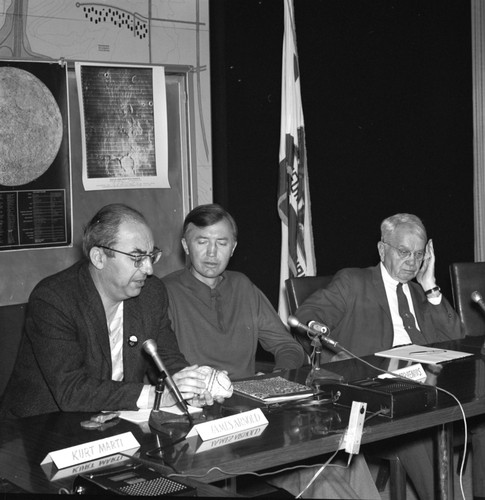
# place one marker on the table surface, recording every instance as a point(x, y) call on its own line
point(295, 431)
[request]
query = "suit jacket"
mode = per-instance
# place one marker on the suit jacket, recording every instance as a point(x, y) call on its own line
point(64, 361)
point(355, 307)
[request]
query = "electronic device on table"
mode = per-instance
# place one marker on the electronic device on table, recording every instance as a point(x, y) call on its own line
point(391, 397)
point(134, 479)
point(271, 389)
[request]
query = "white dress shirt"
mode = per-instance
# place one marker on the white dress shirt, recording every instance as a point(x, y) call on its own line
point(115, 329)
point(116, 343)
point(401, 337)
point(390, 284)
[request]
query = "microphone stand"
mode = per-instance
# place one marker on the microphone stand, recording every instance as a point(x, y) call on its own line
point(159, 388)
point(158, 421)
point(315, 361)
point(176, 426)
point(317, 374)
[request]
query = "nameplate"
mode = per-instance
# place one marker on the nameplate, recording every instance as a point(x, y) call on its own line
point(91, 451)
point(414, 372)
point(231, 438)
point(54, 474)
point(229, 425)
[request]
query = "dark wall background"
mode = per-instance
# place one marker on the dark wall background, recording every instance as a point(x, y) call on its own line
point(387, 100)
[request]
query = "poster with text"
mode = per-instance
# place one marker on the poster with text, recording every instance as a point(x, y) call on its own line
point(35, 174)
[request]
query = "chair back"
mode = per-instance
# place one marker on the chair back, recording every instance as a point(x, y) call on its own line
point(12, 318)
point(298, 289)
point(467, 277)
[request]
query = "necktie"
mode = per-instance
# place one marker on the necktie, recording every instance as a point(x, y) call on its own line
point(407, 316)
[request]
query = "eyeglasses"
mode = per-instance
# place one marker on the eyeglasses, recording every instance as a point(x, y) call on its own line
point(407, 254)
point(139, 259)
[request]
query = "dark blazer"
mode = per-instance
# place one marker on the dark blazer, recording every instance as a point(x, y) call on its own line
point(64, 361)
point(355, 307)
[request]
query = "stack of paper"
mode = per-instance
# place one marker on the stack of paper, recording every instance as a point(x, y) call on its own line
point(423, 354)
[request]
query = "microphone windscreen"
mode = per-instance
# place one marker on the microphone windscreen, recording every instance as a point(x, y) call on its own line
point(476, 296)
point(292, 321)
point(150, 346)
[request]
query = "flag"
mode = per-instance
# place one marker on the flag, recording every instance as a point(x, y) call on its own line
point(297, 252)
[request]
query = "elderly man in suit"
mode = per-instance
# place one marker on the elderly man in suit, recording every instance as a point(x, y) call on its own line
point(360, 306)
point(85, 326)
point(372, 309)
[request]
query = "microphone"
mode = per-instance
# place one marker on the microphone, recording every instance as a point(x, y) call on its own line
point(319, 327)
point(150, 347)
point(335, 346)
point(477, 297)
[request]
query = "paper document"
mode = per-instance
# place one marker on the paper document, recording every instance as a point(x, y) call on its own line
point(143, 415)
point(423, 354)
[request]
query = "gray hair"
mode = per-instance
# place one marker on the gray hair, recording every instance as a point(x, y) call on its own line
point(102, 229)
point(389, 225)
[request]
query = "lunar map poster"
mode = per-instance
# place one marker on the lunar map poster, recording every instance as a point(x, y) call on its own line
point(35, 182)
point(123, 125)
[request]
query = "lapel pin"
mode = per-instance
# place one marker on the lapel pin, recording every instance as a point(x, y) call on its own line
point(132, 341)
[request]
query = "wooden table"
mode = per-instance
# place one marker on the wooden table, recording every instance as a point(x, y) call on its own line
point(295, 432)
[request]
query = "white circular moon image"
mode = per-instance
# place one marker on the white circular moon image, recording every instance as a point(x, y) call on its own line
point(30, 127)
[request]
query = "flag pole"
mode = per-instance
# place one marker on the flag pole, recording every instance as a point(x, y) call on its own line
point(294, 208)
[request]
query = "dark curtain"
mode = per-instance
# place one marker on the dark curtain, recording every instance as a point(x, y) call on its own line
point(387, 99)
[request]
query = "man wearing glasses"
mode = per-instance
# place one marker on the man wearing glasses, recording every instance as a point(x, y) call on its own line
point(372, 309)
point(362, 306)
point(85, 327)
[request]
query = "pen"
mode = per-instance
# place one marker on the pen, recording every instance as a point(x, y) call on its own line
point(427, 352)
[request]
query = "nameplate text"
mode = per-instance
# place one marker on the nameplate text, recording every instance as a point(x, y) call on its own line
point(414, 372)
point(92, 451)
point(229, 425)
point(231, 438)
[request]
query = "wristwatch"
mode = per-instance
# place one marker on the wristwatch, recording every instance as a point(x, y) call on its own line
point(432, 290)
